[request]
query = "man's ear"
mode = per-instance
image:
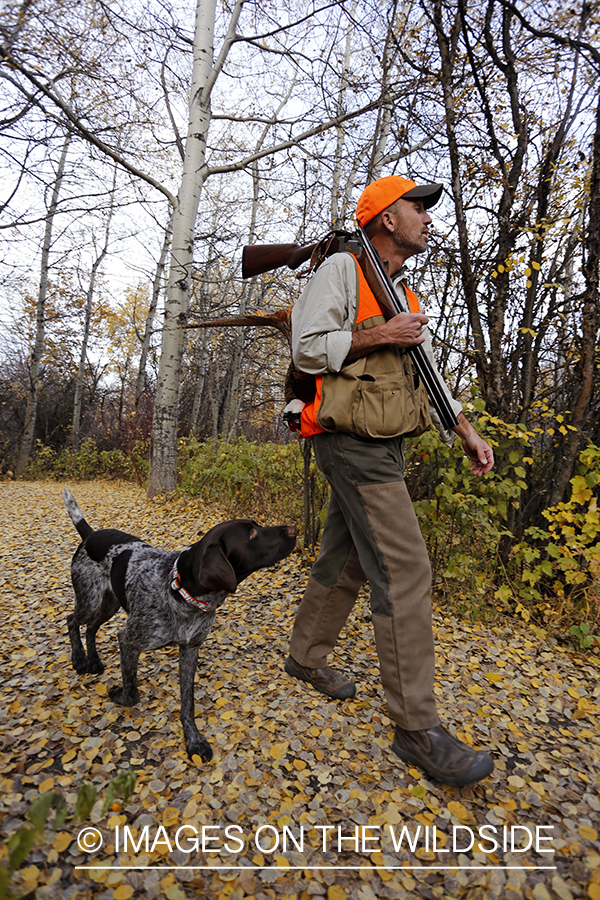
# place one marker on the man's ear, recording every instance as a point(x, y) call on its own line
point(215, 571)
point(386, 221)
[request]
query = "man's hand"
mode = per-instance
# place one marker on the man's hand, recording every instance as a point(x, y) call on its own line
point(479, 451)
point(403, 330)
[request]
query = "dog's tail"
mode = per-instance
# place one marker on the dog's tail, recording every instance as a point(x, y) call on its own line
point(76, 515)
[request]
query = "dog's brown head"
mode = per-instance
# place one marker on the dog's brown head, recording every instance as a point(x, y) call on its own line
point(231, 551)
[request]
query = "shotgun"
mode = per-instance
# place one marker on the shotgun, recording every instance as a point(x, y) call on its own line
point(261, 258)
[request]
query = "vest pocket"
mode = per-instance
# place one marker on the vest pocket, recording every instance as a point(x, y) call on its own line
point(374, 397)
point(383, 409)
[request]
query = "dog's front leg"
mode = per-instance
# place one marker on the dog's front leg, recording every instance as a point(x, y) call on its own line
point(194, 742)
point(127, 694)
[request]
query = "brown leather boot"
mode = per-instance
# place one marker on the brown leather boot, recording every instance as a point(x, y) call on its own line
point(325, 680)
point(441, 755)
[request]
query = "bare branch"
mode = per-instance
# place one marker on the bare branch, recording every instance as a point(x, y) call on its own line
point(78, 126)
point(284, 145)
point(573, 43)
point(281, 28)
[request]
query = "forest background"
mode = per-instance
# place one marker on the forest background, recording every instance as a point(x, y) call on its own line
point(143, 145)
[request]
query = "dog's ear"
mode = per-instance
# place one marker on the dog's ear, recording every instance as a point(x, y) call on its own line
point(215, 571)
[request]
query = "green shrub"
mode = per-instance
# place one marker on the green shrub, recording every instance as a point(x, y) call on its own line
point(557, 569)
point(550, 575)
point(248, 479)
point(87, 463)
point(464, 517)
point(52, 805)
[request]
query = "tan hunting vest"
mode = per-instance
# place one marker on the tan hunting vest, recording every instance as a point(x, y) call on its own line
point(377, 396)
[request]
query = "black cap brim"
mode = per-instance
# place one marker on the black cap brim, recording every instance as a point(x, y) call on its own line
point(428, 193)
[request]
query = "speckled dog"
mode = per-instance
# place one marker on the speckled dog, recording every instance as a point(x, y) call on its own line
point(169, 598)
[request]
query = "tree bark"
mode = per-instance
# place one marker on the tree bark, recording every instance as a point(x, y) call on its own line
point(469, 285)
point(163, 445)
point(78, 401)
point(589, 328)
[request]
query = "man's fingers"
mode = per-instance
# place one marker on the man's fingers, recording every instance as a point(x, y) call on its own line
point(484, 462)
point(406, 329)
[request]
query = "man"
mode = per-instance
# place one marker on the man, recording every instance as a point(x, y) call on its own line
point(368, 398)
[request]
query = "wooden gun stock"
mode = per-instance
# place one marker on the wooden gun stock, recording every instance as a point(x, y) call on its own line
point(260, 258)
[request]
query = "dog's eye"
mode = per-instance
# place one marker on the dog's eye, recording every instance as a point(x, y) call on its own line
point(253, 533)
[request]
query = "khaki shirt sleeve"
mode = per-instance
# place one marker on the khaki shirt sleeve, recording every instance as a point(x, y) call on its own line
point(323, 315)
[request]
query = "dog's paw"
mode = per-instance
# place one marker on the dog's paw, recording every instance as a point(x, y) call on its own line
point(118, 695)
point(95, 667)
point(80, 664)
point(199, 747)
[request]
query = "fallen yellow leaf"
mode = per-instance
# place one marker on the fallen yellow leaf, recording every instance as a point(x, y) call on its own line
point(123, 892)
point(336, 892)
point(170, 815)
point(62, 840)
point(458, 810)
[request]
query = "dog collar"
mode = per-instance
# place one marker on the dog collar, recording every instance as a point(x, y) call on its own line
point(177, 586)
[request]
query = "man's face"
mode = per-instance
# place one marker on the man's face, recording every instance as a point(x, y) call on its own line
point(410, 220)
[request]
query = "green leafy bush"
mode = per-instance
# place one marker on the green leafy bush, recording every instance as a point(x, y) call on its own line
point(557, 568)
point(248, 479)
point(551, 574)
point(87, 463)
point(464, 518)
point(22, 841)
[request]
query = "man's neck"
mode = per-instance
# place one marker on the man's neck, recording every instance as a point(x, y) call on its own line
point(390, 255)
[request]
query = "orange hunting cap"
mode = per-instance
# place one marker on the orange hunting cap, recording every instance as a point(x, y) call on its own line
point(380, 194)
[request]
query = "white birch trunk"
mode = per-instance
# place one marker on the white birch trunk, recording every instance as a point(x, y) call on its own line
point(384, 116)
point(163, 446)
point(336, 217)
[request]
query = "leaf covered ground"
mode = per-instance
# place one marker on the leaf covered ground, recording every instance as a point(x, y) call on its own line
point(288, 764)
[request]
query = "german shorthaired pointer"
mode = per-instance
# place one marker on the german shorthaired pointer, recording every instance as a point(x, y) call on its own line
point(170, 598)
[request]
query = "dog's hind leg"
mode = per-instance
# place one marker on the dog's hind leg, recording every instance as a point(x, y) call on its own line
point(78, 654)
point(194, 742)
point(127, 694)
point(108, 607)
